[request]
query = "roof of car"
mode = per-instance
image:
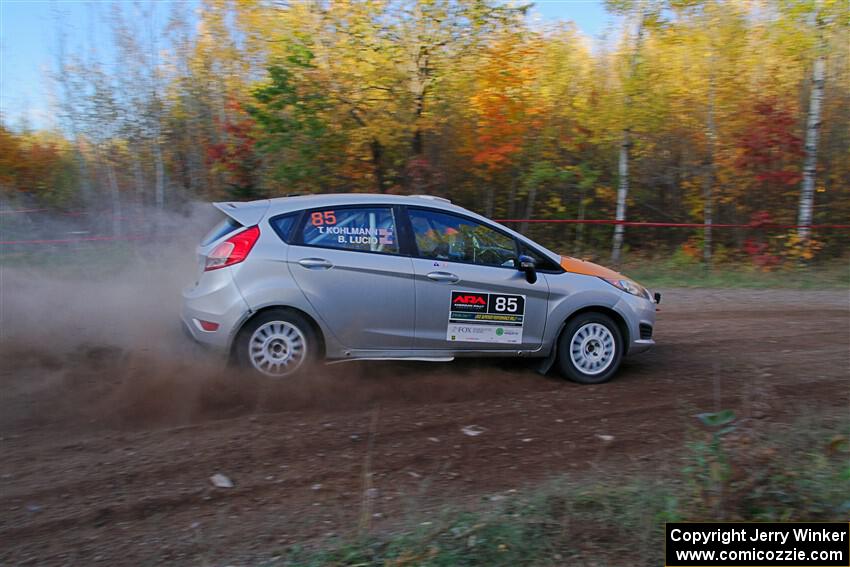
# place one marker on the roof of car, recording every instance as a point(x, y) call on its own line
point(250, 212)
point(304, 201)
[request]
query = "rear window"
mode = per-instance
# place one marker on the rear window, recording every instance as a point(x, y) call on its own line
point(226, 226)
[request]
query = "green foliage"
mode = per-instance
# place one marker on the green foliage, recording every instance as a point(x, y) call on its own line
point(288, 110)
point(38, 166)
point(717, 419)
point(795, 475)
point(545, 172)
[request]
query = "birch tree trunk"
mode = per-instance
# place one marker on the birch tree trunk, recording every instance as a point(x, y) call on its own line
point(489, 199)
point(580, 226)
point(115, 196)
point(160, 175)
point(139, 181)
point(512, 195)
point(529, 210)
point(622, 194)
point(68, 102)
point(807, 192)
point(378, 163)
point(137, 177)
point(625, 146)
point(708, 189)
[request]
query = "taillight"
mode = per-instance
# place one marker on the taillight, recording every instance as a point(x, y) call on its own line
point(207, 326)
point(233, 250)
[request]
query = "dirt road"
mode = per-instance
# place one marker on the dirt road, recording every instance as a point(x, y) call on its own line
point(105, 455)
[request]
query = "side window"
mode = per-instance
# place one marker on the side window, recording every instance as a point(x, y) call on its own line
point(542, 262)
point(367, 229)
point(443, 236)
point(282, 225)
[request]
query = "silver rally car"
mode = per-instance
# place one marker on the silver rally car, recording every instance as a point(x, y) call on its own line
point(283, 283)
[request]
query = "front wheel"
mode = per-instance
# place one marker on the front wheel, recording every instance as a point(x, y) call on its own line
point(590, 349)
point(277, 343)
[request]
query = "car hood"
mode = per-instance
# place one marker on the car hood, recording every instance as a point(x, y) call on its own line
point(577, 266)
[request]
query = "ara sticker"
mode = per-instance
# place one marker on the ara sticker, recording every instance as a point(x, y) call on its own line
point(486, 317)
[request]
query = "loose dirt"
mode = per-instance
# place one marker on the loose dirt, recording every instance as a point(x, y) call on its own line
point(106, 452)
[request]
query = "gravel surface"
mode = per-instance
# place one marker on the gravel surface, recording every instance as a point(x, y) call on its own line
point(110, 456)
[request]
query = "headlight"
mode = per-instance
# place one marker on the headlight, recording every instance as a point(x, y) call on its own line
point(630, 286)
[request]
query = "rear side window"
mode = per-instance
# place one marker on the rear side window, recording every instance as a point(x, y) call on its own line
point(363, 229)
point(226, 226)
point(282, 225)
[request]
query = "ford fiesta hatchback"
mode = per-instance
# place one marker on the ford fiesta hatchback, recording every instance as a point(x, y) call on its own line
point(283, 283)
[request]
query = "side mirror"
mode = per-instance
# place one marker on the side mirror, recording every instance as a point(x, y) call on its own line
point(526, 264)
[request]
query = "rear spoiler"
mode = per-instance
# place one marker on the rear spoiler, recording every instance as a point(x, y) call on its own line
point(246, 213)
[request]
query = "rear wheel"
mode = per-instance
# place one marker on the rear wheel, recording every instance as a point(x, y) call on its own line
point(277, 343)
point(590, 349)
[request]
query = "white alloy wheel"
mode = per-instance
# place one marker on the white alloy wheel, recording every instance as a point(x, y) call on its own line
point(277, 348)
point(592, 348)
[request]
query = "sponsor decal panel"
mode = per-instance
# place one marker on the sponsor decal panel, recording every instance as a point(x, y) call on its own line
point(476, 317)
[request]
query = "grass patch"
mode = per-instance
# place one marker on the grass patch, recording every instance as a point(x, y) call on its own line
point(658, 273)
point(87, 259)
point(797, 472)
point(105, 258)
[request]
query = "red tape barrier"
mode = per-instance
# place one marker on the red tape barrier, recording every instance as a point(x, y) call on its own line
point(63, 213)
point(674, 224)
point(24, 211)
point(531, 221)
point(73, 240)
point(537, 221)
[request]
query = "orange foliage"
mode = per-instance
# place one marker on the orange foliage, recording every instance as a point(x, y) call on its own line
point(502, 105)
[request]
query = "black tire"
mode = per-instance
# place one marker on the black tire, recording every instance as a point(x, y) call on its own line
point(567, 365)
point(287, 320)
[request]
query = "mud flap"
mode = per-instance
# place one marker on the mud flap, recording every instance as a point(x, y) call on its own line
point(546, 364)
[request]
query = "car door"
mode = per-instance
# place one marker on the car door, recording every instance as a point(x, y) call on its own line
point(469, 293)
point(346, 261)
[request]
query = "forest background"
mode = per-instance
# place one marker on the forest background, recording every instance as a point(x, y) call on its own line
point(700, 112)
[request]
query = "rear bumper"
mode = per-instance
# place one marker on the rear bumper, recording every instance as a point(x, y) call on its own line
point(216, 299)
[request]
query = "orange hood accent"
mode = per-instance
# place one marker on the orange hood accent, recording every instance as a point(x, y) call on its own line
point(588, 268)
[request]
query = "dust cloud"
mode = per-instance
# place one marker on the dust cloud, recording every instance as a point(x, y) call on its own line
point(128, 299)
point(106, 345)
point(103, 341)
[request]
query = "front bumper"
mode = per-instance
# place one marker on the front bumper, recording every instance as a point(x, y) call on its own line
point(637, 311)
point(641, 345)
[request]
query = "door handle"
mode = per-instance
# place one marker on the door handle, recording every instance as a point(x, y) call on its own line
point(443, 277)
point(315, 263)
